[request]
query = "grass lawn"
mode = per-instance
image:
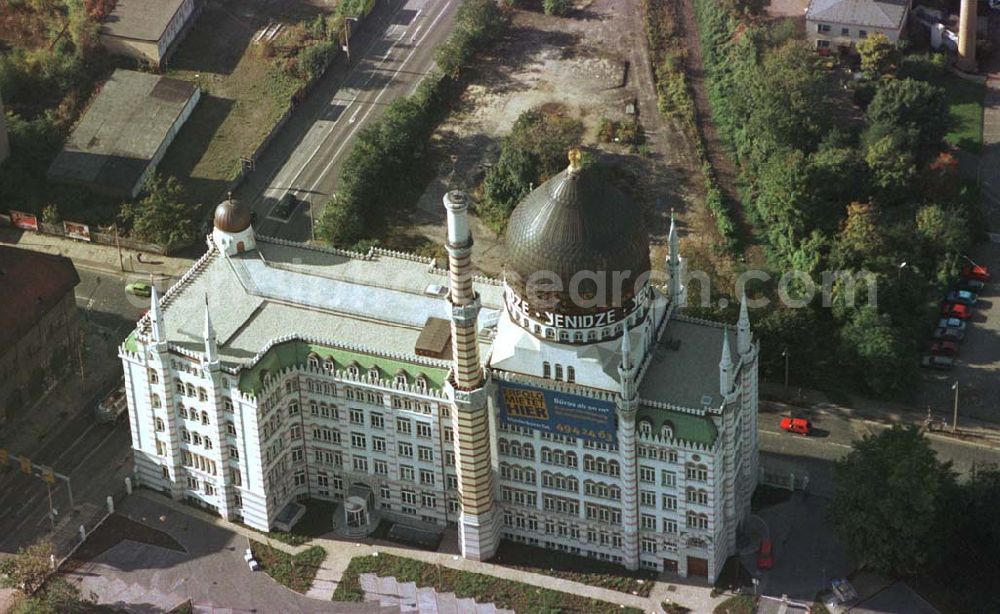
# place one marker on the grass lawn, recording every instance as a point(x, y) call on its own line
point(244, 93)
point(576, 568)
point(517, 596)
point(296, 572)
point(740, 604)
point(965, 110)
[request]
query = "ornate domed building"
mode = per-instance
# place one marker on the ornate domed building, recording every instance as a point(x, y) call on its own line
point(569, 405)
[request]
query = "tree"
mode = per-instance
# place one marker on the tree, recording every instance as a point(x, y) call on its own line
point(879, 55)
point(160, 217)
point(883, 355)
point(508, 182)
point(58, 596)
point(911, 106)
point(555, 7)
point(31, 566)
point(50, 214)
point(888, 492)
point(943, 230)
point(892, 165)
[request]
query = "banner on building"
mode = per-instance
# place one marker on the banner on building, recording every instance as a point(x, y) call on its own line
point(557, 412)
point(26, 221)
point(77, 231)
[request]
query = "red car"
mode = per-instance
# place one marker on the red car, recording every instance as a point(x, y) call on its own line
point(796, 425)
point(955, 310)
point(944, 348)
point(765, 556)
point(977, 272)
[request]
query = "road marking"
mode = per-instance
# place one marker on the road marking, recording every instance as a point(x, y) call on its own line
point(304, 165)
point(415, 32)
point(812, 439)
point(374, 103)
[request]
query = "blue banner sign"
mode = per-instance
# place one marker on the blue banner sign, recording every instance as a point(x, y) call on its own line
point(557, 412)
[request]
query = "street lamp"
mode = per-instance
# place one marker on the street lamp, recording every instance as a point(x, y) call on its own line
point(954, 422)
point(347, 37)
point(786, 354)
point(899, 271)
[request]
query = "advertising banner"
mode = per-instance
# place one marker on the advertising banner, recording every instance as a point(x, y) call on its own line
point(77, 231)
point(557, 412)
point(23, 220)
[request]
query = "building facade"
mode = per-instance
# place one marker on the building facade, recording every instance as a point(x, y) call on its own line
point(40, 334)
point(147, 30)
point(618, 429)
point(832, 24)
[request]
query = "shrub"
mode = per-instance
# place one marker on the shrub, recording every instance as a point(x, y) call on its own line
point(314, 59)
point(555, 7)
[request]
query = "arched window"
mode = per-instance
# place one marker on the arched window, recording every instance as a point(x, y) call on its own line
point(158, 424)
point(155, 400)
point(422, 382)
point(550, 333)
point(204, 417)
point(190, 390)
point(328, 365)
point(645, 428)
point(353, 369)
point(667, 430)
point(578, 336)
point(202, 395)
point(313, 361)
point(592, 335)
point(182, 412)
point(373, 374)
point(559, 372)
point(401, 378)
point(570, 374)
point(564, 335)
point(208, 443)
point(546, 370)
point(178, 386)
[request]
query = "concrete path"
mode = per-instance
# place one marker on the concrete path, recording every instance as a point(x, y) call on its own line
point(340, 553)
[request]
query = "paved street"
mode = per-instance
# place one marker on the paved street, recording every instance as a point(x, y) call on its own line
point(391, 52)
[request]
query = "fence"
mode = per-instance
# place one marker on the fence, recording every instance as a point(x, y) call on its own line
point(88, 235)
point(72, 531)
point(778, 478)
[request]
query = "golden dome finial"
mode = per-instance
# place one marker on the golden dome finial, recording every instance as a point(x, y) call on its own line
point(574, 156)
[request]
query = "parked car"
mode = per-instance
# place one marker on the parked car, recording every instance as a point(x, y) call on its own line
point(972, 285)
point(286, 206)
point(948, 334)
point(955, 310)
point(977, 272)
point(945, 363)
point(963, 297)
point(952, 323)
point(796, 425)
point(765, 556)
point(944, 348)
point(139, 288)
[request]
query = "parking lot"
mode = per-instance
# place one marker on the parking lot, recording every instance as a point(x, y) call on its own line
point(977, 368)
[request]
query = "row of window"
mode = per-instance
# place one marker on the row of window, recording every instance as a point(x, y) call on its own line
point(825, 28)
point(548, 373)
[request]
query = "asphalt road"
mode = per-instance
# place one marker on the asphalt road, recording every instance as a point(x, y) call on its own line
point(391, 52)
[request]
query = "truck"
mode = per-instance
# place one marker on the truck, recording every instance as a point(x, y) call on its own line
point(111, 407)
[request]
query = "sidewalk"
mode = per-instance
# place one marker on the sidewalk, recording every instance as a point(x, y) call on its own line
point(95, 256)
point(340, 553)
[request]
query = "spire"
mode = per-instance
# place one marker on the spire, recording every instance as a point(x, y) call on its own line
point(211, 344)
point(743, 336)
point(155, 317)
point(725, 363)
point(626, 351)
point(673, 239)
point(626, 368)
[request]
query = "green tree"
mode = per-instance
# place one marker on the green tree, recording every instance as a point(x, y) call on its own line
point(943, 230)
point(892, 164)
point(888, 493)
point(882, 354)
point(508, 182)
point(879, 55)
point(555, 7)
point(31, 566)
point(160, 217)
point(50, 214)
point(914, 107)
point(58, 596)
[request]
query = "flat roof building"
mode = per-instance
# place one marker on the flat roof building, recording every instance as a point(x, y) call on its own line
point(147, 30)
point(125, 132)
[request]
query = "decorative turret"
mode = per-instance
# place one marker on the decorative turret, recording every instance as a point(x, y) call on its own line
point(211, 343)
point(725, 365)
point(156, 317)
point(626, 369)
point(233, 229)
point(675, 266)
point(744, 338)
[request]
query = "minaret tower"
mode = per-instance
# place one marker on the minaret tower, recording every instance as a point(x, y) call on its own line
point(213, 376)
point(627, 404)
point(675, 267)
point(725, 365)
point(478, 525)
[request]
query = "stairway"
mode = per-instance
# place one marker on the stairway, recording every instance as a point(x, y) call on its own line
point(409, 598)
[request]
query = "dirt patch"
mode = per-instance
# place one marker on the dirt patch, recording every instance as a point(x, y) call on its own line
point(26, 28)
point(589, 65)
point(115, 529)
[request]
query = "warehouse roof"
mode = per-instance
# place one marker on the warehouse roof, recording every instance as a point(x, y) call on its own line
point(144, 20)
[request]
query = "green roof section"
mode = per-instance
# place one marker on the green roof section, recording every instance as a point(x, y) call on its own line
point(131, 344)
point(293, 353)
point(687, 427)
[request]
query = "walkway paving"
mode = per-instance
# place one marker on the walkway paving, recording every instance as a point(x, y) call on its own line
point(97, 256)
point(340, 553)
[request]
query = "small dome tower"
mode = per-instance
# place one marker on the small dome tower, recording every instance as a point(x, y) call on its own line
point(233, 232)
